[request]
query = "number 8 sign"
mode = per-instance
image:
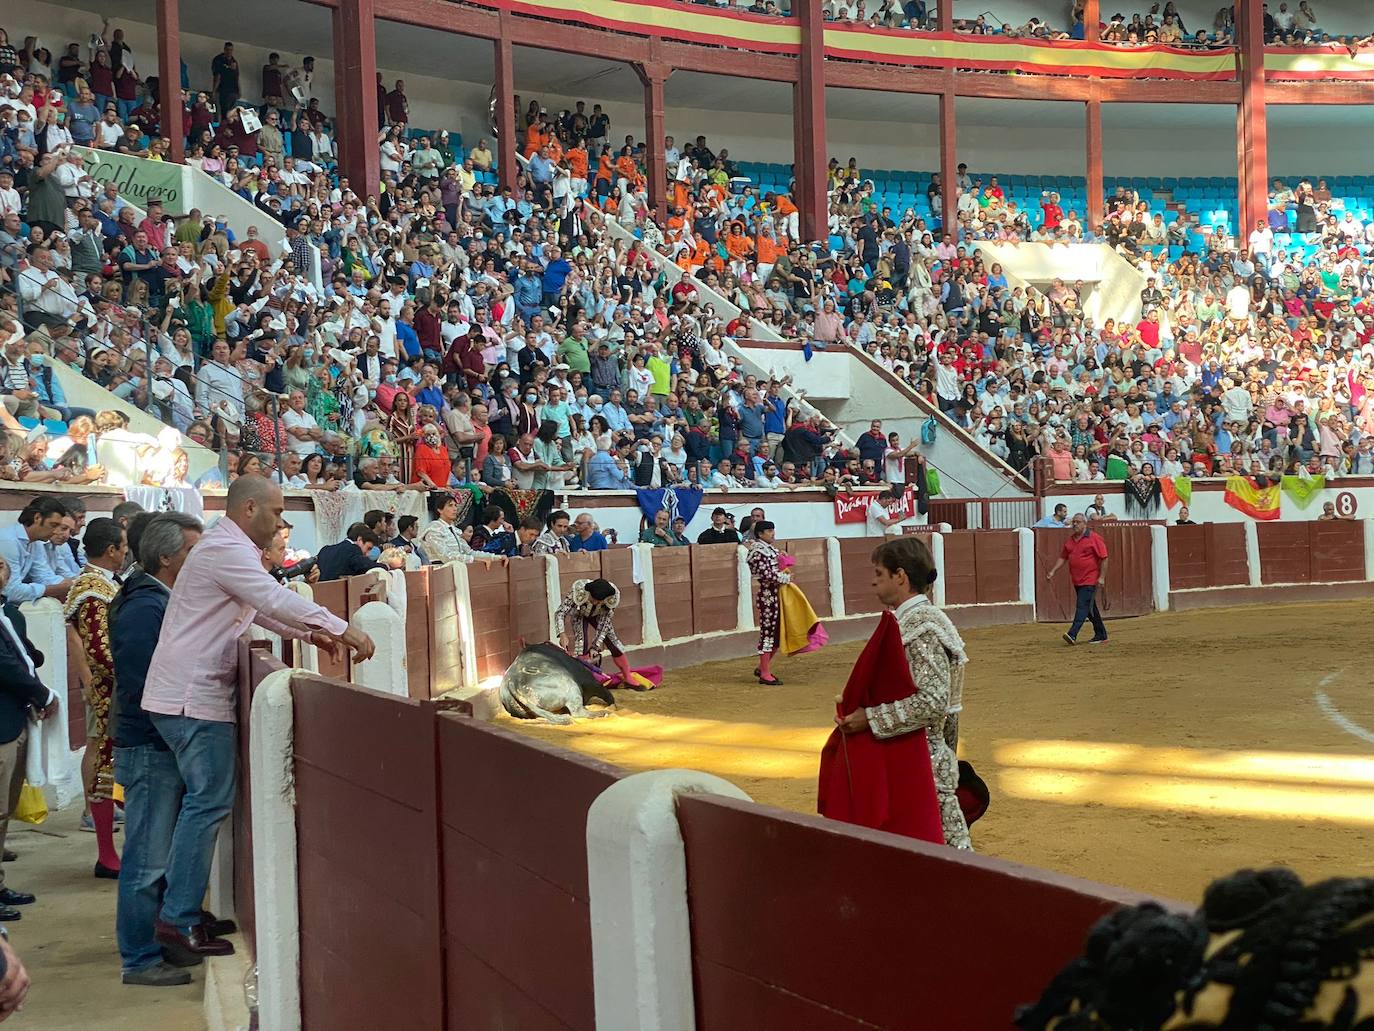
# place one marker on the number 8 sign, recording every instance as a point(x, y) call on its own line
point(1346, 504)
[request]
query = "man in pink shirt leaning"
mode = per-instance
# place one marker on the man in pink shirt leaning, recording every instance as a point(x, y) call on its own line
point(193, 681)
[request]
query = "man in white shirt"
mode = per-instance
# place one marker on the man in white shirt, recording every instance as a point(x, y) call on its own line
point(302, 431)
point(49, 300)
point(1238, 303)
point(1262, 243)
point(877, 519)
point(219, 382)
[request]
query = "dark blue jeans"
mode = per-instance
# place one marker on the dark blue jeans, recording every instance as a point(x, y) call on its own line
point(1086, 609)
point(152, 802)
point(205, 755)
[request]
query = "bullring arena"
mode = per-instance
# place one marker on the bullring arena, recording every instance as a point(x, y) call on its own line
point(1188, 746)
point(386, 385)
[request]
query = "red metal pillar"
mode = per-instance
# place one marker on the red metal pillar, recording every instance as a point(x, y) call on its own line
point(341, 90)
point(1096, 193)
point(653, 76)
point(1092, 20)
point(355, 69)
point(944, 16)
point(1253, 122)
point(507, 168)
point(949, 197)
point(813, 201)
point(169, 77)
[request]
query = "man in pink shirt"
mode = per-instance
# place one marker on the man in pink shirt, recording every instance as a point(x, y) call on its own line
point(192, 684)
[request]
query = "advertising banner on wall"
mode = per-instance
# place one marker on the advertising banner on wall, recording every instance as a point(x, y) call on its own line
point(853, 508)
point(140, 180)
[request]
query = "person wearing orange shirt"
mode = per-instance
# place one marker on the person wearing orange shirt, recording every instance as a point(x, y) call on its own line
point(787, 211)
point(577, 167)
point(737, 245)
point(605, 172)
point(625, 167)
point(534, 138)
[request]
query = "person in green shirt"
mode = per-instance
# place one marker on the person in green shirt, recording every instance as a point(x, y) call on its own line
point(660, 535)
point(575, 349)
point(659, 368)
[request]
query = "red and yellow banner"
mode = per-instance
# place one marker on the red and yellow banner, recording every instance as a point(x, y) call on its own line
point(739, 30)
point(1326, 63)
point(1245, 495)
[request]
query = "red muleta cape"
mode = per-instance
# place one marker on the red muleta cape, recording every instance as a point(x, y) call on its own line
point(893, 788)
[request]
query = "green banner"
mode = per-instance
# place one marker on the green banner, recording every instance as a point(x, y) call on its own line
point(139, 180)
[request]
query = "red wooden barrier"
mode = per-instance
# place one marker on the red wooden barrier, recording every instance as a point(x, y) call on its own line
point(529, 601)
point(715, 587)
point(961, 567)
point(1285, 553)
point(997, 558)
point(489, 594)
point(367, 858)
point(617, 566)
point(256, 661)
point(859, 929)
point(857, 567)
point(673, 593)
point(333, 595)
point(1129, 589)
point(1337, 550)
point(420, 673)
point(1207, 555)
point(517, 927)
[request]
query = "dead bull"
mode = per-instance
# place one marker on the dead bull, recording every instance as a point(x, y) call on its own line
point(545, 682)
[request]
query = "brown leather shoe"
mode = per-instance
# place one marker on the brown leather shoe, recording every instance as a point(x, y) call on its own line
point(214, 926)
point(181, 948)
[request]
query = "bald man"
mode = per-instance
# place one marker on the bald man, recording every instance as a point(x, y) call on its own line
point(191, 688)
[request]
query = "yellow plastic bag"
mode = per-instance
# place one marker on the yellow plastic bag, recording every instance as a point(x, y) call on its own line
point(33, 805)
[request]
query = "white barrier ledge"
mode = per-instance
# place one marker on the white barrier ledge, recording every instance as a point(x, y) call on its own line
point(275, 883)
point(637, 877)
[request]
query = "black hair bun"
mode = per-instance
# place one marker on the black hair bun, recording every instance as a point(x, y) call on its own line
point(934, 575)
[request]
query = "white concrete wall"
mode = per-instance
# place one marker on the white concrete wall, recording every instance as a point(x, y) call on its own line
point(1114, 285)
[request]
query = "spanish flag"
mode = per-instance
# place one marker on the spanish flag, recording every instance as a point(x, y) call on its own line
point(1244, 494)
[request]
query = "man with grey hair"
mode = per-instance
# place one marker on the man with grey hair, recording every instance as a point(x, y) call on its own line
point(144, 765)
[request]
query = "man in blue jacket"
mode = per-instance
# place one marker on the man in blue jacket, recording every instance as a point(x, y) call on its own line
point(144, 765)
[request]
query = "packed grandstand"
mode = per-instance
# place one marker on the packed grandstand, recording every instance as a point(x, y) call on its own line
point(611, 312)
point(551, 314)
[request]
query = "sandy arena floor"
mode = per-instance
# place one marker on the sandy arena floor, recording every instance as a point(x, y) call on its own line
point(1191, 745)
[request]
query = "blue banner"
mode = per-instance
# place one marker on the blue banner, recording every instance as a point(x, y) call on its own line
point(681, 502)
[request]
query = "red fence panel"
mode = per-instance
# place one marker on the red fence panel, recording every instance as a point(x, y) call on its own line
point(960, 574)
point(419, 621)
point(862, 898)
point(857, 567)
point(368, 863)
point(529, 601)
point(617, 566)
point(812, 571)
point(489, 593)
point(1285, 553)
point(715, 587)
point(1129, 590)
point(997, 557)
point(673, 591)
point(1187, 557)
point(333, 595)
point(516, 920)
point(445, 643)
point(1227, 564)
point(1337, 549)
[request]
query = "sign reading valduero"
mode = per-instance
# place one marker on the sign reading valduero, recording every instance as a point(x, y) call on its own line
point(138, 179)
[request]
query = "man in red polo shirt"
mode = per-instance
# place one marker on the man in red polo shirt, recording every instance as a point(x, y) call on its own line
point(1086, 554)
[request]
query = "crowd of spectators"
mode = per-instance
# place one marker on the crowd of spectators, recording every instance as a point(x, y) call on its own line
point(464, 335)
point(468, 334)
